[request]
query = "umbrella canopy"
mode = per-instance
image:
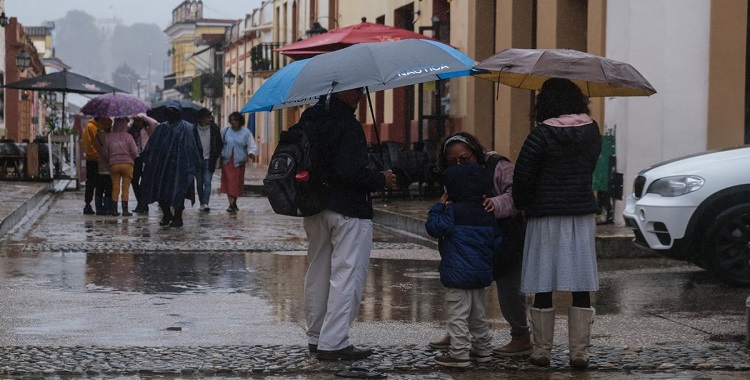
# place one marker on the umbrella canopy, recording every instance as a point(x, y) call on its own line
point(377, 66)
point(189, 110)
point(595, 75)
point(114, 105)
point(343, 37)
point(63, 81)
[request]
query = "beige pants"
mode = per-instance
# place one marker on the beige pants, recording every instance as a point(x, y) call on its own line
point(467, 324)
point(338, 256)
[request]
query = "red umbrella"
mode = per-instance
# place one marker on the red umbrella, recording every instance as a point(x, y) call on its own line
point(340, 38)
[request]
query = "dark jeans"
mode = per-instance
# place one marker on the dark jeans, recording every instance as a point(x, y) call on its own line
point(92, 176)
point(512, 302)
point(136, 181)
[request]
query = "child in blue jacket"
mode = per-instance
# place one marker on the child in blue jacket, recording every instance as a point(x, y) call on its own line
point(468, 240)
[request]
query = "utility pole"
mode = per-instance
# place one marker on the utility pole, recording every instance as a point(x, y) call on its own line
point(148, 81)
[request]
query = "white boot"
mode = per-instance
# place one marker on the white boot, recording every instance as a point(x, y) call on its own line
point(543, 330)
point(579, 335)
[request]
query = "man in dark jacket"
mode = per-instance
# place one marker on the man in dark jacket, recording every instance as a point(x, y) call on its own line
point(209, 135)
point(341, 235)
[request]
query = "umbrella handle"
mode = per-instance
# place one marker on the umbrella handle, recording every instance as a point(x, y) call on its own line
point(377, 134)
point(375, 126)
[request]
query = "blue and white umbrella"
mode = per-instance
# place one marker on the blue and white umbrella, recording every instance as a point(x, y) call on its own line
point(377, 66)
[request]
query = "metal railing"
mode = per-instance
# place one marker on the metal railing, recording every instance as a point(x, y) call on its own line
point(263, 58)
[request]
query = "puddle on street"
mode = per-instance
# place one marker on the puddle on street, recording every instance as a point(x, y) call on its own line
point(396, 290)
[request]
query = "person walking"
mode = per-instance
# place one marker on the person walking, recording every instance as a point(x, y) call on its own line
point(468, 241)
point(552, 185)
point(172, 161)
point(464, 147)
point(120, 150)
point(211, 144)
point(238, 145)
point(94, 190)
point(340, 236)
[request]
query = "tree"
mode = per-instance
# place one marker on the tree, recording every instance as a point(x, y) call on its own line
point(125, 78)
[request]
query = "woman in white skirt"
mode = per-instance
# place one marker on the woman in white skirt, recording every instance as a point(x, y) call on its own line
point(552, 185)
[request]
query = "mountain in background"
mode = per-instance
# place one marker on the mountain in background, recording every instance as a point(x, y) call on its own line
point(99, 48)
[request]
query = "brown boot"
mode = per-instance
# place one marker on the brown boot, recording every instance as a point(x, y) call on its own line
point(442, 343)
point(516, 347)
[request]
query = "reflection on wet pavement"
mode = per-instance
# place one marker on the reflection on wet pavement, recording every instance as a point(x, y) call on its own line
point(396, 290)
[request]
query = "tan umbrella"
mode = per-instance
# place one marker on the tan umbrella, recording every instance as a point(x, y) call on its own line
point(596, 76)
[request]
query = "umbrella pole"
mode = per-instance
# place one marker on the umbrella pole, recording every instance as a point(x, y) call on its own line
point(377, 134)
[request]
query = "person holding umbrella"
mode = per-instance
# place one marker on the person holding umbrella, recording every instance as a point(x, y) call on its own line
point(172, 160)
point(340, 236)
point(552, 185)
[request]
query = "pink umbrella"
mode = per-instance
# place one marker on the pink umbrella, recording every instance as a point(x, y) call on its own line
point(114, 105)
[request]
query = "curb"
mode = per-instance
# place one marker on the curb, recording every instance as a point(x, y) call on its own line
point(21, 208)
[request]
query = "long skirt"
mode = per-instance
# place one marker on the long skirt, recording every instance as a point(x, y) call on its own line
point(232, 178)
point(560, 255)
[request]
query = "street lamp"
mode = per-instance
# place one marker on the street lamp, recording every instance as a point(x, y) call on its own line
point(315, 29)
point(23, 60)
point(4, 20)
point(229, 78)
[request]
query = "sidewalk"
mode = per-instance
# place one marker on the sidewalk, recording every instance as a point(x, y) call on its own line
point(409, 215)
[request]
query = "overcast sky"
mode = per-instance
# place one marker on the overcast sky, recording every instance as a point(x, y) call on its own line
point(35, 12)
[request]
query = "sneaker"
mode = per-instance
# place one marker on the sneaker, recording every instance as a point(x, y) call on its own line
point(516, 347)
point(348, 353)
point(450, 361)
point(202, 208)
point(88, 210)
point(475, 357)
point(206, 208)
point(230, 209)
point(442, 343)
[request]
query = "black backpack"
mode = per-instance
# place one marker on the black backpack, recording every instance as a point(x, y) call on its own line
point(296, 181)
point(512, 228)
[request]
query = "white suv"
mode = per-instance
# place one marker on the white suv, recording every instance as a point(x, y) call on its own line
point(697, 208)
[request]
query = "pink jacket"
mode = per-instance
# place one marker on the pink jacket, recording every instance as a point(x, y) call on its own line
point(119, 145)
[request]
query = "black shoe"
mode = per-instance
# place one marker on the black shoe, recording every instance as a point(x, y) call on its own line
point(348, 353)
point(176, 222)
point(313, 348)
point(88, 210)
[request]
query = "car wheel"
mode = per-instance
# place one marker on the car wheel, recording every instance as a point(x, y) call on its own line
point(726, 248)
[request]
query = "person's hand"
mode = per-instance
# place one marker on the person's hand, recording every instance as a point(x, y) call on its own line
point(444, 198)
point(488, 205)
point(251, 156)
point(390, 179)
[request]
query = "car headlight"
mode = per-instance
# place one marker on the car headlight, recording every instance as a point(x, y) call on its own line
point(676, 185)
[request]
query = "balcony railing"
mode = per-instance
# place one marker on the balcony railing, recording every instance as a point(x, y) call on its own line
point(263, 58)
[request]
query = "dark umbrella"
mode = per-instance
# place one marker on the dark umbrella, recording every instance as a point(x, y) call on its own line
point(189, 111)
point(65, 82)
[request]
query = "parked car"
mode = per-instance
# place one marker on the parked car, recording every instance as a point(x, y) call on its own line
point(696, 208)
